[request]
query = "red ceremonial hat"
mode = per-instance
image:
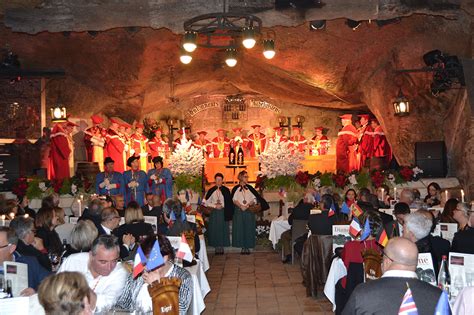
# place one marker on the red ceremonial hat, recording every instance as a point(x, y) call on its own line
point(202, 132)
point(115, 120)
point(180, 131)
point(220, 129)
point(96, 119)
point(277, 128)
point(139, 125)
point(319, 128)
point(346, 116)
point(255, 126)
point(296, 128)
point(374, 119)
point(126, 124)
point(366, 116)
point(157, 129)
point(237, 129)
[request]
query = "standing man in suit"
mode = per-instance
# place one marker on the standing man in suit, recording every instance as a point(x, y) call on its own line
point(385, 295)
point(395, 227)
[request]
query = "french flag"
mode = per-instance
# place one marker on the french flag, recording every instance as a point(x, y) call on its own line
point(354, 228)
point(332, 210)
point(184, 251)
point(138, 262)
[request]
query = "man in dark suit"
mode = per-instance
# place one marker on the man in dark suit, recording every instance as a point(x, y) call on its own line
point(321, 224)
point(394, 228)
point(385, 295)
point(374, 201)
point(36, 273)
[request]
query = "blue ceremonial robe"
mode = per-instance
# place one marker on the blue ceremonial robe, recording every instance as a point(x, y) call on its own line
point(114, 178)
point(135, 194)
point(164, 190)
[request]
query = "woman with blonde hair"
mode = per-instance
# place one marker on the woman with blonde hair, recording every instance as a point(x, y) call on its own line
point(66, 293)
point(82, 236)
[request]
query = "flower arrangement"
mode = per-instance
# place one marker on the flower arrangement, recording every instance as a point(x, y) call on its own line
point(37, 188)
point(340, 180)
point(303, 178)
point(377, 178)
point(186, 164)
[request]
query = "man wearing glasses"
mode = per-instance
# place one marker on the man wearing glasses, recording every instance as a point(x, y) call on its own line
point(104, 274)
point(36, 273)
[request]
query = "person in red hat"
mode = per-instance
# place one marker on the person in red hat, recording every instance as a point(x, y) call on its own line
point(94, 140)
point(135, 182)
point(181, 132)
point(257, 141)
point(157, 146)
point(319, 143)
point(202, 143)
point(346, 146)
point(60, 152)
point(382, 152)
point(279, 136)
point(139, 145)
point(366, 141)
point(220, 145)
point(297, 141)
point(114, 146)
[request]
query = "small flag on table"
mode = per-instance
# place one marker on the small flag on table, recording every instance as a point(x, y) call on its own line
point(332, 210)
point(184, 252)
point(354, 228)
point(382, 237)
point(408, 306)
point(345, 208)
point(366, 231)
point(138, 262)
point(156, 259)
point(356, 210)
point(443, 308)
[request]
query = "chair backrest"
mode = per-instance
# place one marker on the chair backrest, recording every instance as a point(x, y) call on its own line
point(298, 228)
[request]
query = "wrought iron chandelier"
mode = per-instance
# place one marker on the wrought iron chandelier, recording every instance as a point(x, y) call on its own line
point(225, 31)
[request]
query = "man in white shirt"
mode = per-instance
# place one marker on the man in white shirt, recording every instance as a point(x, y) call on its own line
point(105, 276)
point(385, 295)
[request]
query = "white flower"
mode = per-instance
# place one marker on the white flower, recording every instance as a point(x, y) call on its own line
point(391, 178)
point(316, 182)
point(73, 189)
point(186, 159)
point(417, 170)
point(278, 160)
point(353, 179)
point(42, 186)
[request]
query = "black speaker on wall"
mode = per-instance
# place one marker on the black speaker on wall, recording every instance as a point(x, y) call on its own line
point(431, 158)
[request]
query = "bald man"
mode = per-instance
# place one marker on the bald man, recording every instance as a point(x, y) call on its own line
point(384, 296)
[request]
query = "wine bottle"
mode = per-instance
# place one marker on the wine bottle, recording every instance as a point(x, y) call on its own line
point(444, 279)
point(9, 289)
point(232, 156)
point(240, 155)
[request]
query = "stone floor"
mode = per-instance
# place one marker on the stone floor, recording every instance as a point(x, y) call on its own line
point(258, 284)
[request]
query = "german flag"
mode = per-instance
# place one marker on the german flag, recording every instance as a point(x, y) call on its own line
point(382, 237)
point(356, 210)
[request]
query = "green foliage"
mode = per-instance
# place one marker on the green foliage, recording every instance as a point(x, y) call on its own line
point(66, 187)
point(33, 191)
point(326, 179)
point(281, 181)
point(183, 181)
point(363, 180)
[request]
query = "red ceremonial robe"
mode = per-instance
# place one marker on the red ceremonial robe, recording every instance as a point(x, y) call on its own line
point(59, 153)
point(220, 147)
point(114, 148)
point(381, 147)
point(257, 144)
point(157, 147)
point(205, 146)
point(346, 157)
point(90, 133)
point(297, 143)
point(366, 144)
point(320, 145)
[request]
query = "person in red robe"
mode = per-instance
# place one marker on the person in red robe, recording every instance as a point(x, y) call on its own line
point(220, 145)
point(157, 146)
point(297, 141)
point(279, 135)
point(114, 146)
point(319, 143)
point(382, 152)
point(257, 141)
point(59, 153)
point(366, 141)
point(202, 143)
point(94, 140)
point(239, 137)
point(125, 133)
point(346, 146)
point(139, 145)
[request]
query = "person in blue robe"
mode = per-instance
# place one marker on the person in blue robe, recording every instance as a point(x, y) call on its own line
point(109, 182)
point(135, 182)
point(160, 181)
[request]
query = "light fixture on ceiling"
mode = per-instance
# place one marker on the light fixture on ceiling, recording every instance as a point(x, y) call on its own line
point(58, 114)
point(189, 42)
point(269, 48)
point(353, 24)
point(317, 25)
point(185, 57)
point(231, 57)
point(223, 31)
point(401, 105)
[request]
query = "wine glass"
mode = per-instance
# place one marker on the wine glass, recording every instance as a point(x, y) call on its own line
point(55, 260)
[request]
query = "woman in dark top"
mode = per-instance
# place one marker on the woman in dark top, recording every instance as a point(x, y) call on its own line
point(28, 244)
point(434, 194)
point(447, 216)
point(46, 221)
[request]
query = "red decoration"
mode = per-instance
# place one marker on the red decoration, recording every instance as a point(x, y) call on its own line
point(377, 178)
point(56, 184)
point(260, 182)
point(406, 173)
point(20, 187)
point(303, 178)
point(340, 180)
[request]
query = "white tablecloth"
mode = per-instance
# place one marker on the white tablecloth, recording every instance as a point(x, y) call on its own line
point(336, 272)
point(203, 253)
point(278, 226)
point(200, 288)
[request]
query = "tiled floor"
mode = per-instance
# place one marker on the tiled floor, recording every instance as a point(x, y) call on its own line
point(258, 284)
